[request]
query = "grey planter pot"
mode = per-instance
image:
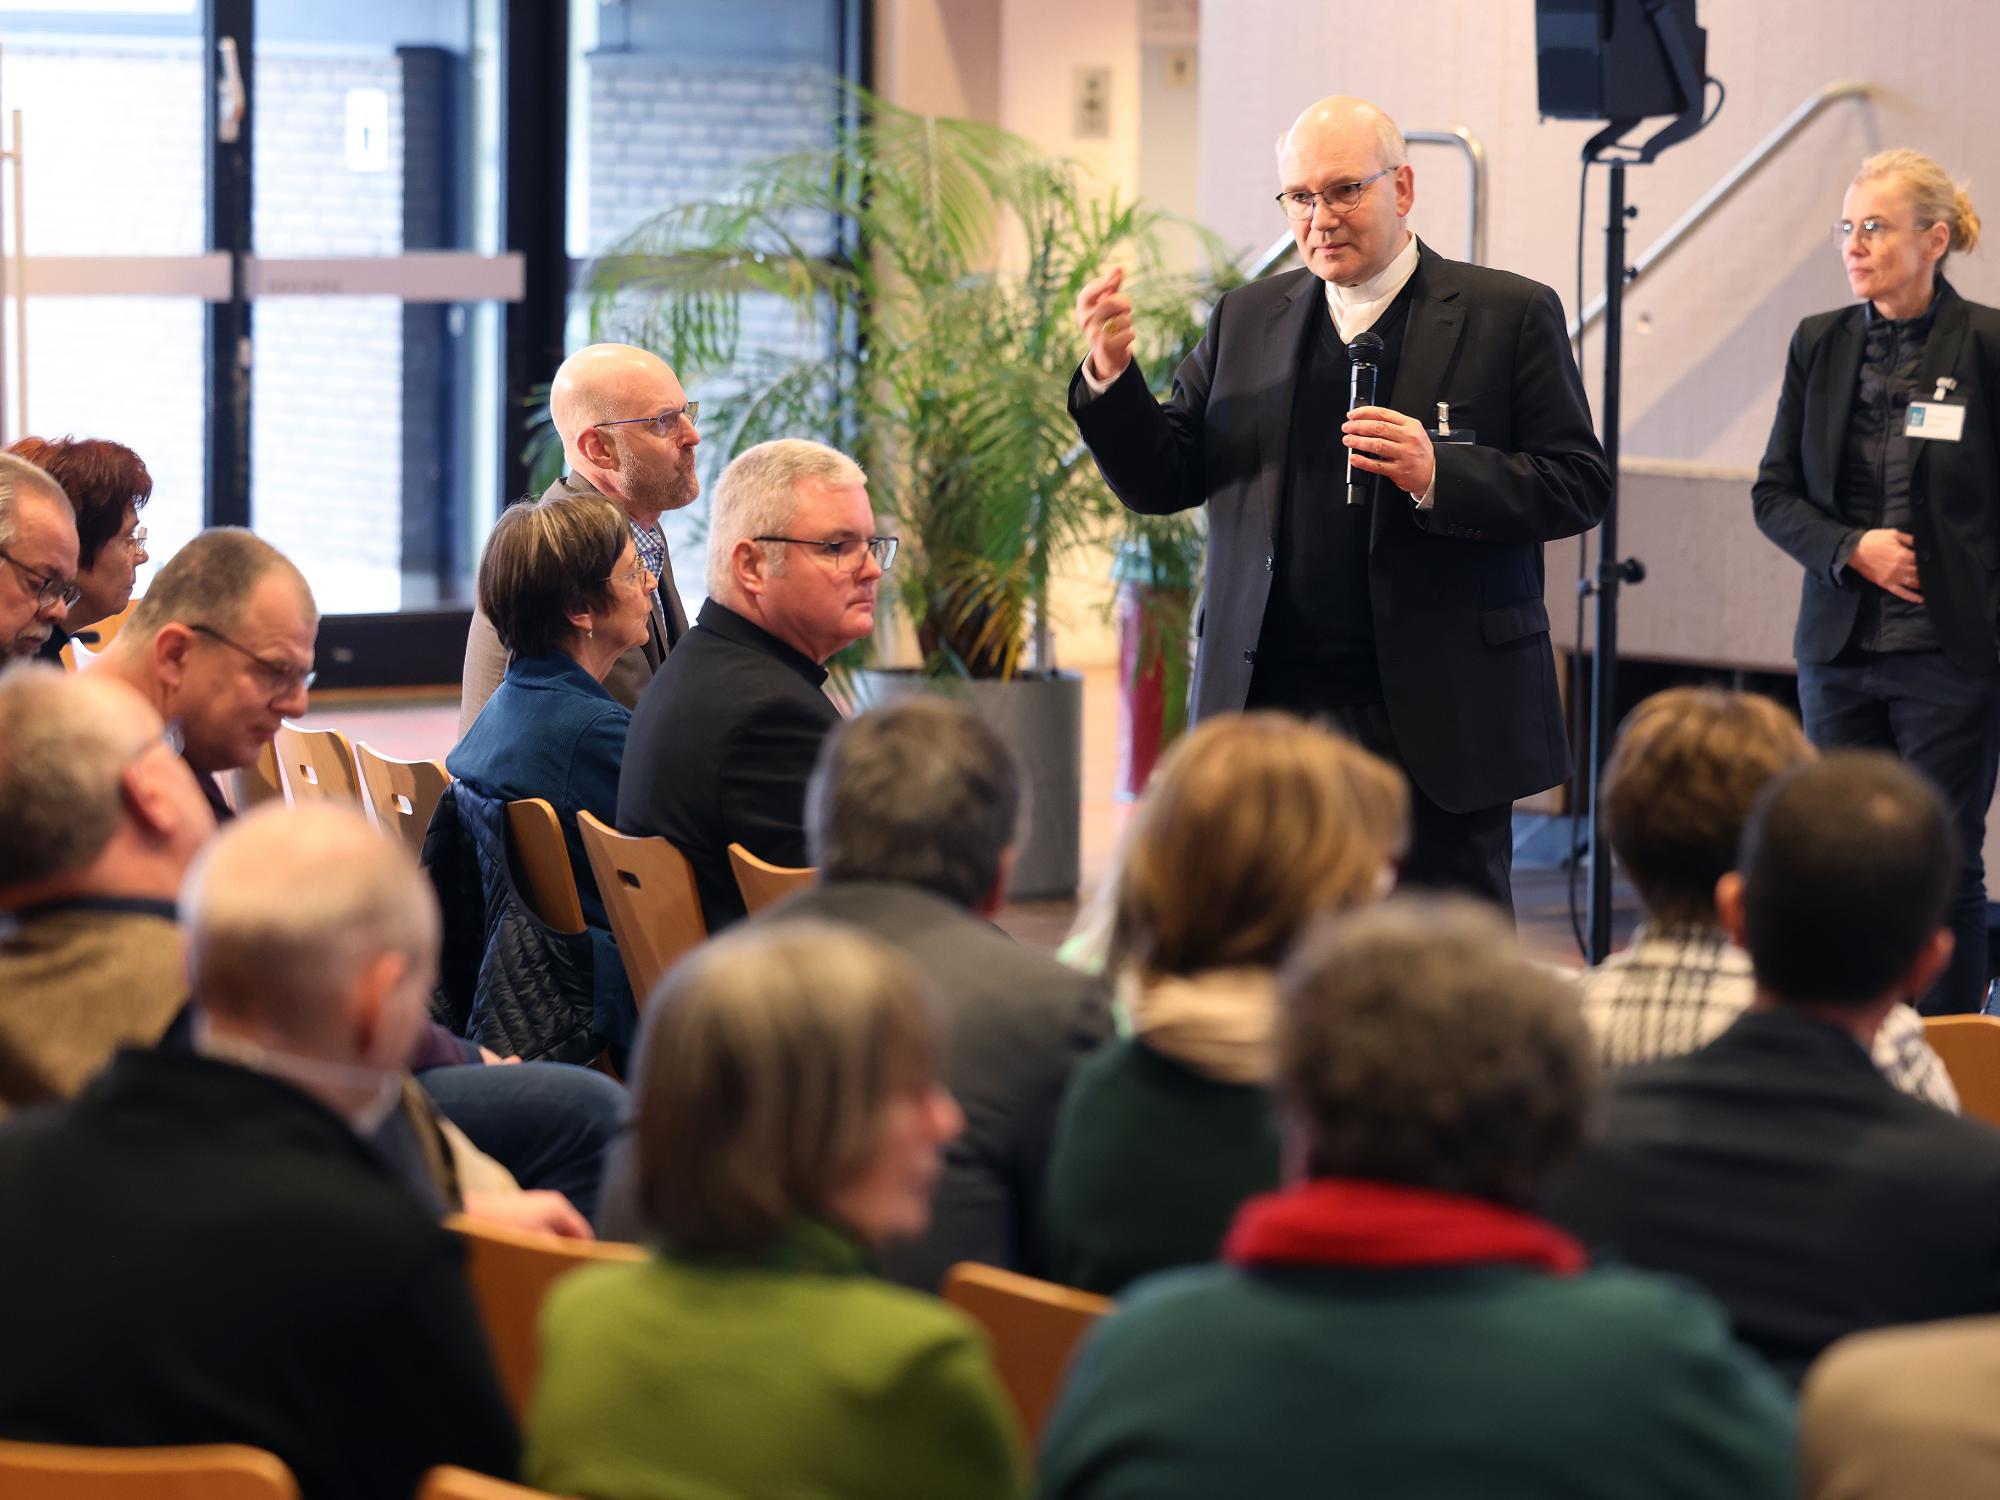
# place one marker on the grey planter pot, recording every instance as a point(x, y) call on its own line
point(1042, 719)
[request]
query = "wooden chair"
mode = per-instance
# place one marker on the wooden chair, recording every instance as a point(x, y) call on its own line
point(1034, 1326)
point(536, 834)
point(78, 652)
point(316, 765)
point(1970, 1048)
point(510, 1271)
point(764, 884)
point(449, 1483)
point(259, 781)
point(650, 895)
point(214, 1471)
point(402, 794)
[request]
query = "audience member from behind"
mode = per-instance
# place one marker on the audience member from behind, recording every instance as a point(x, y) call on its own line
point(790, 1122)
point(1903, 1414)
point(725, 738)
point(628, 434)
point(565, 589)
point(1688, 764)
point(99, 820)
point(1254, 827)
point(223, 642)
point(107, 485)
point(1395, 1316)
point(287, 1291)
point(38, 558)
point(911, 819)
point(1776, 1167)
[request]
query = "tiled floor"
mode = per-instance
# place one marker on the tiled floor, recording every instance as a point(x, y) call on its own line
point(424, 726)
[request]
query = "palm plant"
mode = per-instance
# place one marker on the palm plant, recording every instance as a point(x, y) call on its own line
point(944, 376)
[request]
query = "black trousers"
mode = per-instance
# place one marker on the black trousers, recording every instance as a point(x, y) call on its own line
point(1472, 852)
point(1946, 723)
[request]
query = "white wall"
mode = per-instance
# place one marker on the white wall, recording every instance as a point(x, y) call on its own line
point(1700, 385)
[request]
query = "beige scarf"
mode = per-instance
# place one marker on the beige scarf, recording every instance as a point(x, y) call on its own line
point(1218, 1022)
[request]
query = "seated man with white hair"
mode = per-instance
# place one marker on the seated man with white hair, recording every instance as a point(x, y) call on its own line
point(725, 738)
point(38, 558)
point(203, 1246)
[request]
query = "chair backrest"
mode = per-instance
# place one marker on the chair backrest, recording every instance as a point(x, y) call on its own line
point(449, 1483)
point(214, 1471)
point(510, 1271)
point(650, 895)
point(536, 834)
point(763, 883)
point(316, 764)
point(402, 794)
point(1034, 1327)
point(259, 781)
point(77, 652)
point(1970, 1048)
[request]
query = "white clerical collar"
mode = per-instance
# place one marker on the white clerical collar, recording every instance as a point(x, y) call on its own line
point(1355, 308)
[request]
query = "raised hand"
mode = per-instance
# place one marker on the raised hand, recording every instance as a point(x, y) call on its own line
point(1104, 313)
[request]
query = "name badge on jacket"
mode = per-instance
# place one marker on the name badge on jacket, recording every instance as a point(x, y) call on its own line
point(1939, 421)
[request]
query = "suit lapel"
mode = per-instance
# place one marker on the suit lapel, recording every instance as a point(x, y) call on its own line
point(1431, 333)
point(1941, 351)
point(1843, 368)
point(1285, 331)
point(669, 617)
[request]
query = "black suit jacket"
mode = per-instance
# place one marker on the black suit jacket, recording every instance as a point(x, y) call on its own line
point(721, 746)
point(196, 1253)
point(1778, 1169)
point(1015, 1022)
point(1461, 632)
point(1954, 487)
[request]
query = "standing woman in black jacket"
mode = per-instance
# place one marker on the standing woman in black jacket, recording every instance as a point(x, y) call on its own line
point(1882, 478)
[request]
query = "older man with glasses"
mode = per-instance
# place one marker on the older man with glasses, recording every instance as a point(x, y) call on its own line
point(628, 433)
point(38, 558)
point(725, 738)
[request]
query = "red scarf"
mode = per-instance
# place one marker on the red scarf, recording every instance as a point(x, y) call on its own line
point(1345, 1221)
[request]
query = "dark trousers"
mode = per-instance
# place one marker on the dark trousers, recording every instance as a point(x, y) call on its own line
point(1471, 852)
point(1945, 723)
point(550, 1124)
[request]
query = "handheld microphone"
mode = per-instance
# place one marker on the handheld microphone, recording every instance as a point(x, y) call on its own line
point(1362, 355)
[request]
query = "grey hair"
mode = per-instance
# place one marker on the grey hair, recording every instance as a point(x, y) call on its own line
point(1417, 1045)
point(286, 907)
point(18, 474)
point(923, 792)
point(64, 745)
point(758, 495)
point(209, 581)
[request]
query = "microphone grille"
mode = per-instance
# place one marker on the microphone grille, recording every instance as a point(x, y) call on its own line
point(1365, 346)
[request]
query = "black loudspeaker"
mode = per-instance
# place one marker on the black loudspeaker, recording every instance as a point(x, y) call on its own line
point(1607, 59)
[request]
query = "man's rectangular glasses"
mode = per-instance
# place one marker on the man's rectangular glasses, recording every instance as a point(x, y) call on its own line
point(666, 424)
point(1300, 204)
point(845, 554)
point(48, 589)
point(282, 677)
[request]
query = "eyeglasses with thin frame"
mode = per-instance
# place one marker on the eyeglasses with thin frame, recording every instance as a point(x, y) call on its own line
point(633, 574)
point(1869, 230)
point(48, 588)
point(845, 553)
point(666, 424)
point(135, 539)
point(281, 677)
point(172, 734)
point(1300, 204)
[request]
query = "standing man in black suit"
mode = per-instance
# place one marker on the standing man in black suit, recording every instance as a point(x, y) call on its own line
point(1776, 1167)
point(1882, 479)
point(1413, 620)
point(725, 736)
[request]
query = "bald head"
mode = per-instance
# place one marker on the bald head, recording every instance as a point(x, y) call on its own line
point(1349, 121)
point(306, 925)
point(646, 469)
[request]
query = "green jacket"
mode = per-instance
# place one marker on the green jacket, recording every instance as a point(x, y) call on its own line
point(799, 1376)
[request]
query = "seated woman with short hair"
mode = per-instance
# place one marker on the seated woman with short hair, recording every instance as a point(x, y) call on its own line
point(563, 585)
point(1254, 827)
point(790, 1121)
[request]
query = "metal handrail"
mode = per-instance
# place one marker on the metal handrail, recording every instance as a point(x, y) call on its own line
point(1475, 198)
point(1715, 197)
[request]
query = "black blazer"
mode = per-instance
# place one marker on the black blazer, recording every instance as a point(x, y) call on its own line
point(720, 749)
point(1954, 487)
point(1777, 1168)
point(1461, 632)
point(196, 1253)
point(1015, 1022)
